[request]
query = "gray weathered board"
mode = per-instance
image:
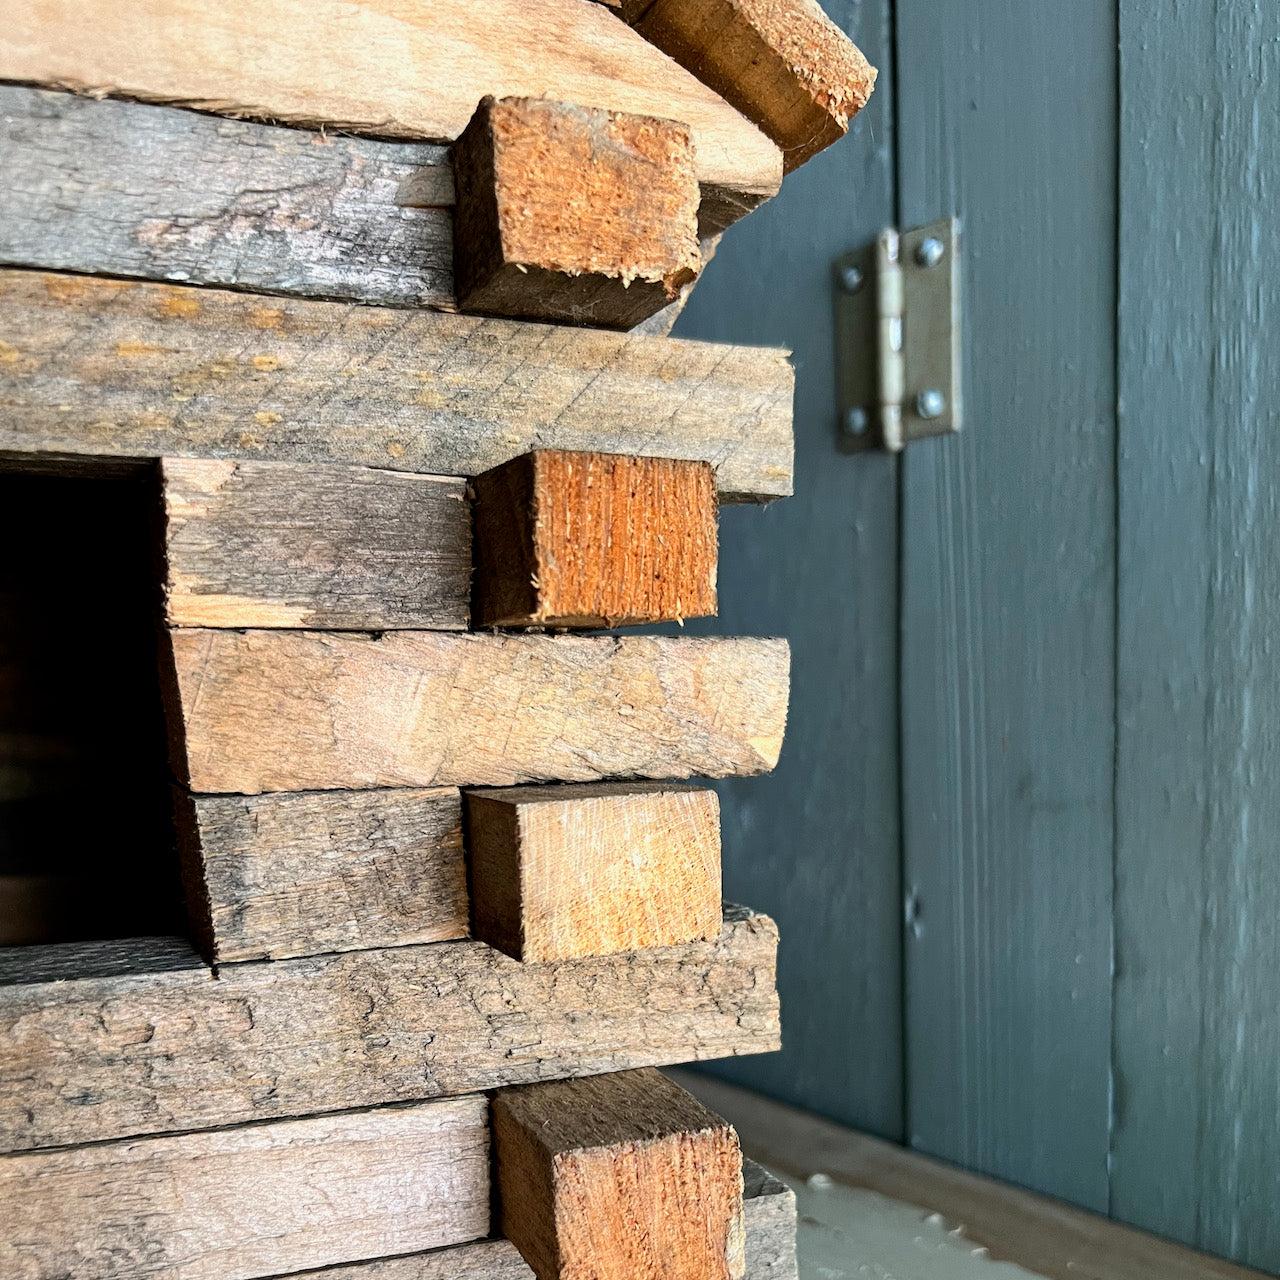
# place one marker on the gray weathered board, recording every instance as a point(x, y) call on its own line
point(822, 571)
point(301, 873)
point(93, 1059)
point(1195, 1153)
point(93, 368)
point(1008, 599)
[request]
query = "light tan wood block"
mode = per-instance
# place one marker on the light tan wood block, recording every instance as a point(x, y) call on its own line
point(580, 870)
point(782, 63)
point(618, 1176)
point(155, 1043)
point(302, 873)
point(590, 539)
point(105, 369)
point(280, 544)
point(261, 711)
point(249, 1202)
point(573, 213)
point(382, 67)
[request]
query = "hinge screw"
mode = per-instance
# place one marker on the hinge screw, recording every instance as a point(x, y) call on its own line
point(931, 404)
point(929, 251)
point(856, 421)
point(851, 278)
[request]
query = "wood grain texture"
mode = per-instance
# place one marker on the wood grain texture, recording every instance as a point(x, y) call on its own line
point(130, 189)
point(573, 214)
point(769, 1214)
point(591, 539)
point(1044, 1236)
point(590, 869)
point(783, 63)
point(302, 873)
point(1195, 1152)
point(617, 1176)
point(253, 1201)
point(105, 1058)
point(103, 368)
point(293, 711)
point(385, 68)
point(819, 839)
point(278, 544)
point(1008, 603)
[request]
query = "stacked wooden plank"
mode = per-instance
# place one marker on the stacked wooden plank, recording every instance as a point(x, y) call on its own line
point(451, 893)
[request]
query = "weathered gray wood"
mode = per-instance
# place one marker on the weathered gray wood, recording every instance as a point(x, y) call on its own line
point(306, 872)
point(106, 958)
point(128, 189)
point(106, 368)
point(253, 1201)
point(381, 69)
point(1007, 600)
point(255, 711)
point(768, 1209)
point(832, 803)
point(1196, 1149)
point(278, 544)
point(105, 1058)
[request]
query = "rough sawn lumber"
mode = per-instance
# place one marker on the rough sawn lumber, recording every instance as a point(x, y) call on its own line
point(573, 214)
point(253, 711)
point(87, 1060)
point(252, 1201)
point(618, 1176)
point(782, 63)
point(382, 68)
point(590, 869)
point(590, 540)
point(279, 544)
point(301, 873)
point(93, 368)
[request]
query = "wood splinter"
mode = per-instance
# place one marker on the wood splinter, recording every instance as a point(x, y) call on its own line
point(567, 539)
point(564, 871)
point(617, 1176)
point(573, 213)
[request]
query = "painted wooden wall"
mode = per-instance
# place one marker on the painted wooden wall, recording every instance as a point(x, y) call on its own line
point(1024, 843)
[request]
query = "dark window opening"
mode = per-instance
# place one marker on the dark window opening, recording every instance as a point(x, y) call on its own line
point(86, 841)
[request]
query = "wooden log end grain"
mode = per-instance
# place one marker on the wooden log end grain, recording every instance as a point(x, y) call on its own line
point(573, 213)
point(579, 870)
point(618, 1176)
point(783, 63)
point(591, 539)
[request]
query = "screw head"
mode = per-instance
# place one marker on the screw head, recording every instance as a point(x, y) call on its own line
point(856, 421)
point(851, 278)
point(931, 404)
point(929, 251)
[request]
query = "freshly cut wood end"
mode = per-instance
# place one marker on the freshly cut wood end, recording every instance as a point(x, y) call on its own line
point(618, 1176)
point(783, 63)
point(573, 213)
point(569, 539)
point(592, 869)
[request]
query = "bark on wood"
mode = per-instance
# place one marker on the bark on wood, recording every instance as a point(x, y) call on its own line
point(249, 1202)
point(309, 872)
point(574, 214)
point(129, 189)
point(104, 1058)
point(618, 1176)
point(782, 63)
point(591, 540)
point(769, 1212)
point(104, 368)
point(593, 869)
point(277, 544)
point(301, 710)
point(382, 68)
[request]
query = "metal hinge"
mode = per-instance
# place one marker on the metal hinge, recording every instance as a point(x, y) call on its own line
point(898, 352)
